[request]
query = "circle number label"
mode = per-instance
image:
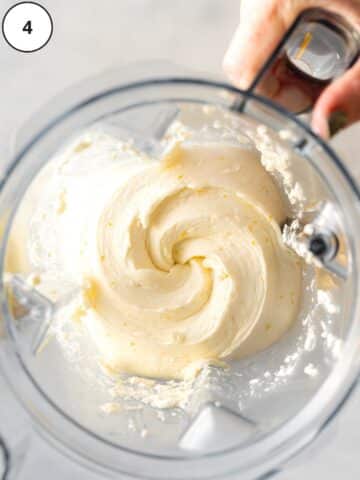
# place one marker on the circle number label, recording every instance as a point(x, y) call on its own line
point(27, 27)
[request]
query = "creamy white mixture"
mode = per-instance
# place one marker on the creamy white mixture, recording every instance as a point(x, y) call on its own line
point(179, 261)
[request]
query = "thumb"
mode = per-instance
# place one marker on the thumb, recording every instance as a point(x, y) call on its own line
point(339, 104)
point(262, 25)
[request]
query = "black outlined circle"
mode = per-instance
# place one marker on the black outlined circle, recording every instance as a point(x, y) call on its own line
point(27, 3)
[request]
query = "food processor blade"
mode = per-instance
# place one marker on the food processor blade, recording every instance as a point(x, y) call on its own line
point(215, 425)
point(33, 311)
point(148, 138)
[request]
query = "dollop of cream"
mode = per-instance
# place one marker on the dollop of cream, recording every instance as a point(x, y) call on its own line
point(181, 261)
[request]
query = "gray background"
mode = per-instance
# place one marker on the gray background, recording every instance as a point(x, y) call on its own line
point(93, 35)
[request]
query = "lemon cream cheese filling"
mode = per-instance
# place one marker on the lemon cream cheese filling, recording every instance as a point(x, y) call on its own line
point(178, 260)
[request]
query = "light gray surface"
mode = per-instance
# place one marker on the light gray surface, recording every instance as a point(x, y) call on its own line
point(93, 35)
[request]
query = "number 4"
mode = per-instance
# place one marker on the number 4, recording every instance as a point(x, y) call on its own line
point(27, 27)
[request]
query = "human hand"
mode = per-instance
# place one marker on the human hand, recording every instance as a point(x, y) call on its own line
point(262, 25)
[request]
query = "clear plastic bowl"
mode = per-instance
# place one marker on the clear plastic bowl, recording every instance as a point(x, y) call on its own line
point(251, 420)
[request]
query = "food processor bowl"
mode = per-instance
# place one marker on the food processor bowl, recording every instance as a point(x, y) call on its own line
point(246, 421)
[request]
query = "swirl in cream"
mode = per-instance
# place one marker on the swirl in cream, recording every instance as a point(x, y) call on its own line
point(190, 265)
point(183, 260)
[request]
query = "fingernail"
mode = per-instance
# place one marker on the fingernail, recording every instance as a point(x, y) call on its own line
point(233, 72)
point(336, 122)
point(320, 126)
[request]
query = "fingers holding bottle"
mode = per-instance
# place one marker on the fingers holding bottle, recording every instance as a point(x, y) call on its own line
point(264, 24)
point(339, 105)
